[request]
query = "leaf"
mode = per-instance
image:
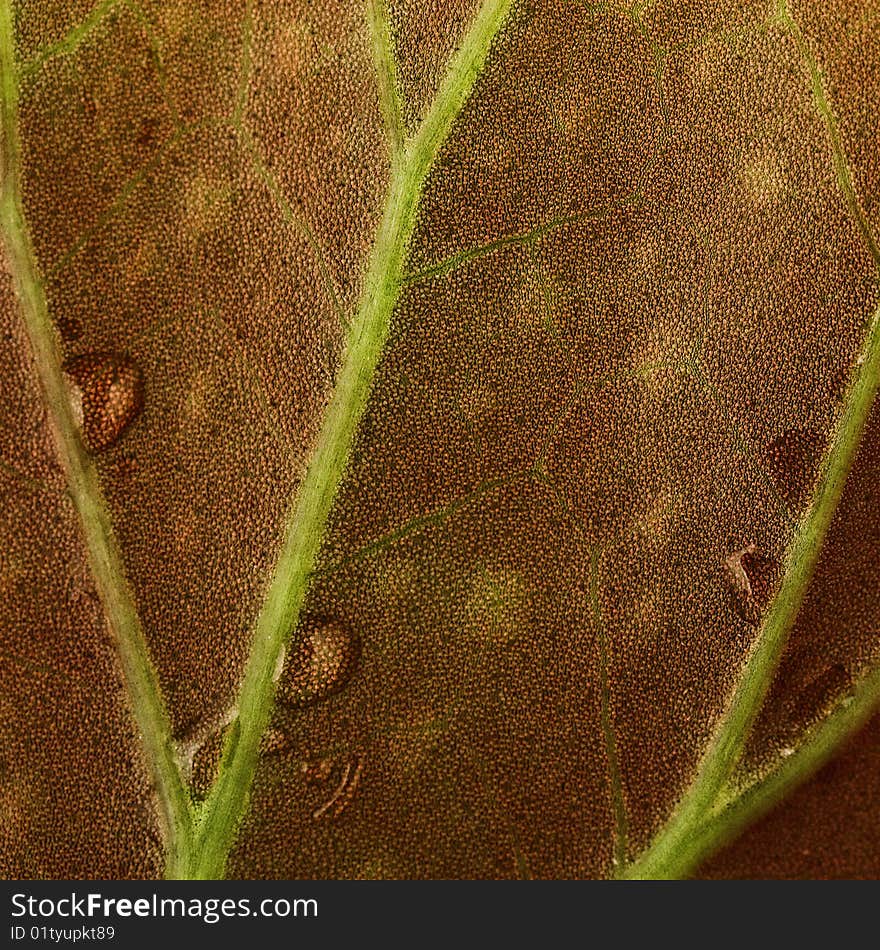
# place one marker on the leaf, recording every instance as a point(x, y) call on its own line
point(507, 365)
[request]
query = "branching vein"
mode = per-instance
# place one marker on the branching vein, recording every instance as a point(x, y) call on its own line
point(670, 855)
point(103, 553)
point(278, 617)
point(739, 809)
point(73, 40)
point(618, 803)
point(386, 73)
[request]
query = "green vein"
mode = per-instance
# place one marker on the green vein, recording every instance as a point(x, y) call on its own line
point(156, 51)
point(28, 481)
point(71, 42)
point(659, 55)
point(841, 167)
point(668, 854)
point(550, 322)
point(386, 73)
point(639, 9)
point(420, 522)
point(103, 553)
point(247, 29)
point(557, 422)
point(46, 669)
point(738, 810)
point(523, 238)
point(618, 803)
point(290, 217)
point(257, 385)
point(584, 387)
point(227, 801)
point(523, 871)
point(122, 197)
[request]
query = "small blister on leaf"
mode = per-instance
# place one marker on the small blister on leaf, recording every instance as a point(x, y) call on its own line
point(752, 577)
point(107, 392)
point(320, 664)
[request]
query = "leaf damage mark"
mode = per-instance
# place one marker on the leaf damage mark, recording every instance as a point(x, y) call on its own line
point(345, 791)
point(107, 395)
point(752, 579)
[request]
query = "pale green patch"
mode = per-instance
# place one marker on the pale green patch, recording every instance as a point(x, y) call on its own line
point(496, 606)
point(206, 204)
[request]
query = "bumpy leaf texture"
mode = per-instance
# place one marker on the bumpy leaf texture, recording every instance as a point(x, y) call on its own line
point(636, 295)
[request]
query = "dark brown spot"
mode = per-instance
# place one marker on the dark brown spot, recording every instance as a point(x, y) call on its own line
point(148, 132)
point(792, 459)
point(817, 697)
point(70, 329)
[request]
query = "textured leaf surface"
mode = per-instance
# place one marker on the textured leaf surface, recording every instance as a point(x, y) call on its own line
point(636, 295)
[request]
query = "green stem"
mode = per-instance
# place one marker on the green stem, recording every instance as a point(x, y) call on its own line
point(103, 553)
point(226, 804)
point(666, 856)
point(742, 808)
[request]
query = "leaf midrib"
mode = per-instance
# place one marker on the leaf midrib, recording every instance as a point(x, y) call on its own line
point(705, 823)
point(411, 164)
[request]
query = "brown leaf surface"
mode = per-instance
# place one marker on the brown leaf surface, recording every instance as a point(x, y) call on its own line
point(636, 298)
